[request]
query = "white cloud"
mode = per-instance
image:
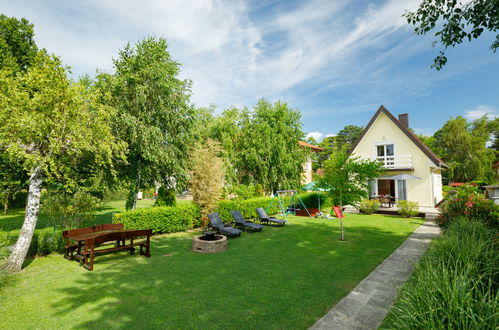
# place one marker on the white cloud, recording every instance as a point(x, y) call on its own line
point(317, 136)
point(481, 111)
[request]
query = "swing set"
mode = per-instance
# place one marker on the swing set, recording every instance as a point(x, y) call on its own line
point(280, 198)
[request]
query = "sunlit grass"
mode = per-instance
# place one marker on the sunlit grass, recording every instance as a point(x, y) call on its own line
point(280, 278)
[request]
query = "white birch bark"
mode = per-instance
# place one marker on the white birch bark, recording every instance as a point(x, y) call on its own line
point(16, 259)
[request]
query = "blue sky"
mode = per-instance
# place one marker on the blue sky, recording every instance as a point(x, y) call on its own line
point(336, 61)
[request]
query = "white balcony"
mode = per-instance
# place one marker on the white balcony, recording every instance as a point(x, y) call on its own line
point(396, 162)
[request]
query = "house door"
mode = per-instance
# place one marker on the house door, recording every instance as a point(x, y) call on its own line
point(386, 187)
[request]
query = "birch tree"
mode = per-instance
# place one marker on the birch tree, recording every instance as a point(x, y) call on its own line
point(47, 121)
point(153, 117)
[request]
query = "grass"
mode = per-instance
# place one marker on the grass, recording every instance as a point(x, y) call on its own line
point(281, 278)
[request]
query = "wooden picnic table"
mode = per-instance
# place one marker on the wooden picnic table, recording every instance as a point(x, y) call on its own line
point(91, 239)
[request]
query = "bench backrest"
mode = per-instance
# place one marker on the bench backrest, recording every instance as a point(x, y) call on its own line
point(92, 229)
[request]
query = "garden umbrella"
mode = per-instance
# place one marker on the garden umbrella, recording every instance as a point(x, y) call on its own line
point(313, 186)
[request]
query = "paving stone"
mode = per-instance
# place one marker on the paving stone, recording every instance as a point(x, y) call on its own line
point(369, 302)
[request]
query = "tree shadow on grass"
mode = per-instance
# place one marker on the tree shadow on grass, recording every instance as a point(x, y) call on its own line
point(282, 277)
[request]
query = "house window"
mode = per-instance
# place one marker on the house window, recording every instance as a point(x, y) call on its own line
point(385, 154)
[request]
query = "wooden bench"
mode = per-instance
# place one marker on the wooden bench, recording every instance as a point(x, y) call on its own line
point(71, 246)
point(98, 240)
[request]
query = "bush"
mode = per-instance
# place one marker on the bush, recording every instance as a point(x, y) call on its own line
point(163, 219)
point(453, 287)
point(166, 197)
point(468, 203)
point(116, 195)
point(69, 211)
point(368, 206)
point(46, 241)
point(246, 207)
point(407, 208)
point(311, 200)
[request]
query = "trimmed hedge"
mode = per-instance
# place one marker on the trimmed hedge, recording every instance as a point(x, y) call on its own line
point(162, 219)
point(246, 207)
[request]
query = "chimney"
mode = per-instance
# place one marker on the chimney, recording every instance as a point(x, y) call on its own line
point(404, 119)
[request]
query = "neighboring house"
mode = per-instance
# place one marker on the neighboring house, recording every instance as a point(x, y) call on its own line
point(307, 166)
point(390, 141)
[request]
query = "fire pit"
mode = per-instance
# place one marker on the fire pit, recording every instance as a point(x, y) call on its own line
point(209, 242)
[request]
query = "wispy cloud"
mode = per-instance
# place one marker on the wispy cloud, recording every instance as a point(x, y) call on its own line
point(480, 111)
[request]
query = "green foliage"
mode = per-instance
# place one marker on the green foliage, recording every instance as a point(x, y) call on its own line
point(153, 116)
point(46, 241)
point(463, 147)
point(166, 197)
point(242, 191)
point(368, 206)
point(246, 207)
point(344, 140)
point(470, 204)
point(269, 153)
point(407, 209)
point(311, 200)
point(460, 22)
point(454, 286)
point(207, 177)
point(163, 219)
point(17, 44)
point(346, 178)
point(69, 210)
point(13, 178)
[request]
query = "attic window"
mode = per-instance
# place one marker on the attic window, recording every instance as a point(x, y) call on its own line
point(385, 150)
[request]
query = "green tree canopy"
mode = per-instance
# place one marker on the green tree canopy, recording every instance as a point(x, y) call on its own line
point(17, 46)
point(153, 116)
point(346, 178)
point(48, 121)
point(463, 147)
point(456, 21)
point(268, 150)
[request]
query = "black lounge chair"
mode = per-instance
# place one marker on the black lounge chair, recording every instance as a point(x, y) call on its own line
point(239, 219)
point(217, 224)
point(264, 218)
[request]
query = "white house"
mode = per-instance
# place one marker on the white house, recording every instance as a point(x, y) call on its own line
point(412, 171)
point(307, 166)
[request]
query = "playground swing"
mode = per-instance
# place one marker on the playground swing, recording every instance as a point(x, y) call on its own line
point(279, 197)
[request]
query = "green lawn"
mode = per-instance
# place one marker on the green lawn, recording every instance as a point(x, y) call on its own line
point(281, 278)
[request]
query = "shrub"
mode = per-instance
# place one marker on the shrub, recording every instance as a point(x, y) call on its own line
point(468, 203)
point(368, 206)
point(407, 208)
point(246, 207)
point(453, 287)
point(242, 191)
point(69, 211)
point(166, 197)
point(311, 200)
point(163, 219)
point(116, 195)
point(46, 241)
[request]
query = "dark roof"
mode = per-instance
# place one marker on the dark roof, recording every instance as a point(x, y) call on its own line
point(413, 137)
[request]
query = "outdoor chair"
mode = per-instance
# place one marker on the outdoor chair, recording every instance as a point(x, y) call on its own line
point(239, 219)
point(217, 224)
point(264, 218)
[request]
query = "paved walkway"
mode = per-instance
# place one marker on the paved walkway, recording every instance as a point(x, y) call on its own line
point(368, 304)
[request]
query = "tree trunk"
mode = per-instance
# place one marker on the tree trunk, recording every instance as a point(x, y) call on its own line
point(131, 202)
point(6, 202)
point(342, 237)
point(16, 259)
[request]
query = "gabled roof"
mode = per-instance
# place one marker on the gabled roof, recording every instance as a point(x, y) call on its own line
point(413, 137)
point(308, 145)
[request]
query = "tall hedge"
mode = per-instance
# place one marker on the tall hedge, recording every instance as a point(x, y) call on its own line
point(167, 219)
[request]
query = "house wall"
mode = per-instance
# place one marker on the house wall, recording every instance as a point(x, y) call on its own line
point(307, 171)
point(384, 130)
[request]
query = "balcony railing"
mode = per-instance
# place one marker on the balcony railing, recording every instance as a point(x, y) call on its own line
point(396, 161)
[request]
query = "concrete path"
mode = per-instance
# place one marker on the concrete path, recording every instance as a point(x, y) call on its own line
point(368, 304)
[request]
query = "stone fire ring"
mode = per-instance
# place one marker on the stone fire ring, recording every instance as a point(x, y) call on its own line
point(202, 246)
